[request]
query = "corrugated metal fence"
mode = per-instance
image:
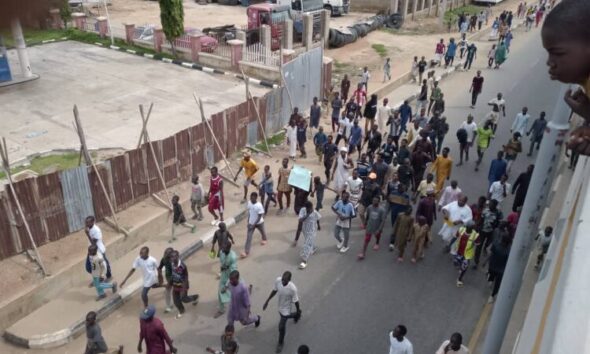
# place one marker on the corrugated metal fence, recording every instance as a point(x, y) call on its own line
point(57, 204)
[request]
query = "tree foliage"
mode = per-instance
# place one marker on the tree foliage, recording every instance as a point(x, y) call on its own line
point(172, 19)
point(65, 12)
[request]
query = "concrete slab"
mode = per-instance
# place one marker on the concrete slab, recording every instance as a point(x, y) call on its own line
point(107, 86)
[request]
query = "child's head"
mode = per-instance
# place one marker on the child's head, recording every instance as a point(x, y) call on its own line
point(548, 230)
point(317, 180)
point(266, 169)
point(195, 179)
point(566, 37)
point(175, 199)
point(92, 249)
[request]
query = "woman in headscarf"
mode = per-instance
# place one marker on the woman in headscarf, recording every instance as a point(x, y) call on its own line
point(500, 54)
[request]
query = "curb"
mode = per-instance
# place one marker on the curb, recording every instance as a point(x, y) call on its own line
point(63, 336)
point(189, 65)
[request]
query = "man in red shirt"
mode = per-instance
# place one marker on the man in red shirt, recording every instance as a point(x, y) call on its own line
point(153, 332)
point(476, 87)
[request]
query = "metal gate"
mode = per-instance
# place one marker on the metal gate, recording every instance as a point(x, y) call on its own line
point(303, 77)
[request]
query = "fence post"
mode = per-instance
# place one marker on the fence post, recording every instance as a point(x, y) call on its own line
point(287, 55)
point(129, 32)
point(393, 5)
point(236, 52)
point(158, 39)
point(326, 27)
point(241, 35)
point(404, 9)
point(102, 26)
point(265, 37)
point(288, 34)
point(195, 46)
point(56, 21)
point(307, 31)
point(79, 20)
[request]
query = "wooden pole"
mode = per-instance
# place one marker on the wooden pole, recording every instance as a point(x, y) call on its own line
point(144, 123)
point(6, 167)
point(89, 161)
point(149, 142)
point(284, 82)
point(250, 98)
point(200, 104)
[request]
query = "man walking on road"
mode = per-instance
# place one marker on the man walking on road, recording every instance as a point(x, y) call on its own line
point(497, 168)
point(442, 168)
point(521, 186)
point(180, 284)
point(288, 296)
point(476, 87)
point(255, 221)
point(375, 217)
point(455, 215)
point(499, 190)
point(149, 270)
point(239, 309)
point(216, 200)
point(484, 137)
point(489, 221)
point(468, 132)
point(521, 122)
point(250, 169)
point(95, 343)
point(345, 212)
point(94, 235)
point(463, 248)
point(398, 343)
point(97, 265)
point(153, 332)
point(470, 57)
point(537, 130)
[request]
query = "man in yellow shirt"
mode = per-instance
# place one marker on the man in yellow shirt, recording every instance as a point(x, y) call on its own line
point(250, 168)
point(442, 167)
point(424, 186)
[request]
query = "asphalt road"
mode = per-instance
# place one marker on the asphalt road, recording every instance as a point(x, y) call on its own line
point(350, 306)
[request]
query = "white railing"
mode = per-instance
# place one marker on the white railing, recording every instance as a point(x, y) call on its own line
point(259, 54)
point(223, 50)
point(183, 41)
point(90, 26)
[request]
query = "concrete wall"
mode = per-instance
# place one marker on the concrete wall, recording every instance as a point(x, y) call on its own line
point(263, 72)
point(376, 6)
point(214, 61)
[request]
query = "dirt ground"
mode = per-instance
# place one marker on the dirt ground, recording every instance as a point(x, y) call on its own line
point(141, 12)
point(415, 38)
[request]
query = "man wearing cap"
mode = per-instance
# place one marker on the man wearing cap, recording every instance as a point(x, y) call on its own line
point(250, 168)
point(152, 330)
point(370, 190)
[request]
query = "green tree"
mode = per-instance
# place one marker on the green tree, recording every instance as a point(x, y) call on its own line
point(172, 18)
point(65, 12)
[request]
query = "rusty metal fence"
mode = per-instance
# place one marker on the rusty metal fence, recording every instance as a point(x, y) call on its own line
point(56, 204)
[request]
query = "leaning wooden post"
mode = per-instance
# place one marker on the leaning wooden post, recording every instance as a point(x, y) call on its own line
point(146, 136)
point(89, 161)
point(6, 167)
point(144, 124)
point(200, 104)
point(250, 98)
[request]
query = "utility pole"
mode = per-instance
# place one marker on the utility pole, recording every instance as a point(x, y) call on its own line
point(106, 10)
point(536, 199)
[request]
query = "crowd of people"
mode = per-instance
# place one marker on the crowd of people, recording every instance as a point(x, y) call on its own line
point(403, 172)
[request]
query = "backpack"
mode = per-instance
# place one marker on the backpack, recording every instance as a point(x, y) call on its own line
point(462, 135)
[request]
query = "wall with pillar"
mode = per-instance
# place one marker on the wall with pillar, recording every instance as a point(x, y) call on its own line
point(421, 7)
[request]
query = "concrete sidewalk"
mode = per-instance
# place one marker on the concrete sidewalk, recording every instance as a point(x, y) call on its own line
point(34, 331)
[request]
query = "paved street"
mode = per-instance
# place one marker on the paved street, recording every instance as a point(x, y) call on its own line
point(350, 306)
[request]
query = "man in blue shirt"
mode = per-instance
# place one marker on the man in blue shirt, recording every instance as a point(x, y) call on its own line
point(450, 56)
point(405, 112)
point(497, 168)
point(356, 138)
point(344, 210)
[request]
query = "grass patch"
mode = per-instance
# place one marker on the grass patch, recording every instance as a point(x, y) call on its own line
point(41, 164)
point(342, 68)
point(33, 37)
point(274, 140)
point(453, 15)
point(380, 49)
